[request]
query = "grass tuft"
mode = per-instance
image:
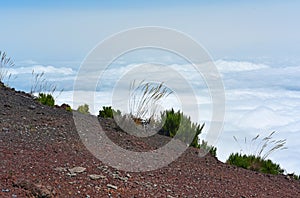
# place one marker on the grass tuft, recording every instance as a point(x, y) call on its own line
point(5, 64)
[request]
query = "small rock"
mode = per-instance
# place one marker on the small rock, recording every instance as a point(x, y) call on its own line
point(115, 176)
point(128, 176)
point(97, 188)
point(44, 191)
point(168, 190)
point(77, 169)
point(169, 196)
point(5, 190)
point(95, 177)
point(60, 169)
point(7, 105)
point(123, 178)
point(4, 129)
point(71, 174)
point(32, 107)
point(112, 186)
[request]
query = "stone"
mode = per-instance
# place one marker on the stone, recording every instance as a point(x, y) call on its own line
point(170, 196)
point(32, 107)
point(128, 176)
point(77, 169)
point(112, 186)
point(71, 174)
point(60, 169)
point(4, 129)
point(96, 177)
point(125, 179)
point(44, 191)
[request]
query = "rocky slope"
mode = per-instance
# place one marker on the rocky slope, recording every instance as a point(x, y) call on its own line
point(42, 156)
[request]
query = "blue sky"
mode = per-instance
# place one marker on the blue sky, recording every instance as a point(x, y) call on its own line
point(255, 45)
point(48, 31)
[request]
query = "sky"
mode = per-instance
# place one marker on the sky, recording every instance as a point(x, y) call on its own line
point(255, 45)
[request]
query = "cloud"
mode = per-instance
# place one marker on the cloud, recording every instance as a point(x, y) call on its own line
point(42, 69)
point(259, 99)
point(238, 66)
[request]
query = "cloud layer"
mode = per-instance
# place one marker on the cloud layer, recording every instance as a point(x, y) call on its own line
point(259, 99)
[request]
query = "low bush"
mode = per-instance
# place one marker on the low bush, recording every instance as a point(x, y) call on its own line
point(108, 112)
point(255, 163)
point(176, 124)
point(69, 109)
point(83, 109)
point(294, 176)
point(66, 107)
point(211, 149)
point(46, 99)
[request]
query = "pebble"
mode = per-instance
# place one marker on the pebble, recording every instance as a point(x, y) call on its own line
point(71, 174)
point(4, 129)
point(128, 176)
point(60, 169)
point(77, 169)
point(32, 107)
point(96, 177)
point(112, 186)
point(169, 196)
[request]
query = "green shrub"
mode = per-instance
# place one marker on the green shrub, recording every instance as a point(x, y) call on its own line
point(69, 109)
point(211, 149)
point(294, 176)
point(255, 163)
point(181, 126)
point(66, 107)
point(171, 122)
point(108, 112)
point(46, 99)
point(83, 109)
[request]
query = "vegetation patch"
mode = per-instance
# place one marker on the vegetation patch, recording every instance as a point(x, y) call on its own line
point(256, 159)
point(83, 109)
point(255, 163)
point(46, 99)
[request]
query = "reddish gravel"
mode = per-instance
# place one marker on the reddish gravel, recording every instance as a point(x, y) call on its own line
point(38, 144)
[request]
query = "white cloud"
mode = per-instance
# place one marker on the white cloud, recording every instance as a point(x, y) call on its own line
point(262, 117)
point(42, 69)
point(237, 66)
point(259, 99)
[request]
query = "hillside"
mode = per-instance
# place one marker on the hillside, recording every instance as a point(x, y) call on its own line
point(42, 156)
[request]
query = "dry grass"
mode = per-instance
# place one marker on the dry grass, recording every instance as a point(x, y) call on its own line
point(264, 148)
point(39, 84)
point(145, 98)
point(5, 63)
